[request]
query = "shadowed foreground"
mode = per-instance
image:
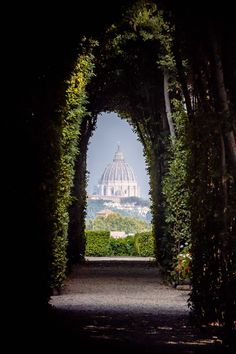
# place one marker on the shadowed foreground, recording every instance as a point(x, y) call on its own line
point(124, 307)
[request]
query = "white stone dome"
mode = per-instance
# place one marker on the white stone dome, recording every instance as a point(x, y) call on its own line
point(118, 170)
point(118, 179)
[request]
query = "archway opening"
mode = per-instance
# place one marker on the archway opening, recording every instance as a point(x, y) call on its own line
point(118, 201)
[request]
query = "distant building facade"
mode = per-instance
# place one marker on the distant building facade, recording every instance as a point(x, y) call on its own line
point(117, 234)
point(118, 179)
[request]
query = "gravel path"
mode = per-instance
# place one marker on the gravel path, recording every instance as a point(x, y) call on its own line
point(124, 306)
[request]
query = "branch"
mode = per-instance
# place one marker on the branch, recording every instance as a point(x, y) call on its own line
point(167, 103)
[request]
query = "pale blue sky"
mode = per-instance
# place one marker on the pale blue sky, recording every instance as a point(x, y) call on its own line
point(103, 144)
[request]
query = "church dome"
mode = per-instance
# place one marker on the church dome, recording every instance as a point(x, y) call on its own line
point(118, 170)
point(118, 179)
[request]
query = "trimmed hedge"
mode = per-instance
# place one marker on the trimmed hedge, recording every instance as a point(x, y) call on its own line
point(144, 244)
point(100, 244)
point(65, 149)
point(97, 243)
point(122, 246)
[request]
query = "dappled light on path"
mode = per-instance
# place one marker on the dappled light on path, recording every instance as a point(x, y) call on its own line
point(124, 306)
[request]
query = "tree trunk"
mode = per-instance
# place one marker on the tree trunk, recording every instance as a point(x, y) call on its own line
point(182, 76)
point(223, 99)
point(232, 146)
point(167, 103)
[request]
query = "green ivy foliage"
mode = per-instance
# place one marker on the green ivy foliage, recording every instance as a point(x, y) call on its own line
point(68, 133)
point(177, 197)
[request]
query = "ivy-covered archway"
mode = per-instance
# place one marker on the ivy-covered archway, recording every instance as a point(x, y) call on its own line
point(180, 101)
point(128, 79)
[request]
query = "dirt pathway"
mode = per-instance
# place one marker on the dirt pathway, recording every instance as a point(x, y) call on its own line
point(125, 307)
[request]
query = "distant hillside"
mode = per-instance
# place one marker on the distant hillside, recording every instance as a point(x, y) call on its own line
point(133, 207)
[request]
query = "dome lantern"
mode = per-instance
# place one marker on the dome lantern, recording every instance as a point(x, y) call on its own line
point(118, 155)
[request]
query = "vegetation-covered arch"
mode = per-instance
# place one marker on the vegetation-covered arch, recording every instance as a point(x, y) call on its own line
point(136, 69)
point(126, 80)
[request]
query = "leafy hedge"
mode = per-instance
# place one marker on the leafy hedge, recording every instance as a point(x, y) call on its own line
point(144, 244)
point(177, 201)
point(122, 246)
point(213, 226)
point(99, 243)
point(67, 132)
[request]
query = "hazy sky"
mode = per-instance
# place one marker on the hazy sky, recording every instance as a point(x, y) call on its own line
point(110, 131)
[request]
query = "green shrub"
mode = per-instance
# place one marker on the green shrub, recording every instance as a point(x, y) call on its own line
point(144, 244)
point(122, 246)
point(97, 243)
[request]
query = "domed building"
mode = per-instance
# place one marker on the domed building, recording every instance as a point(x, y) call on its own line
point(118, 179)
